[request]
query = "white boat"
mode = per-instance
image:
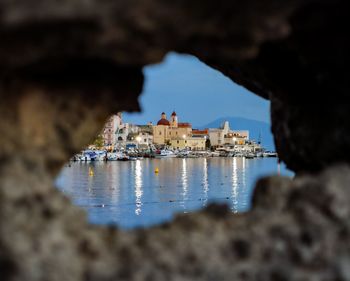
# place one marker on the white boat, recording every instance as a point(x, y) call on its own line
point(86, 156)
point(183, 154)
point(249, 155)
point(92, 155)
point(164, 154)
point(270, 154)
point(113, 156)
point(100, 155)
point(193, 155)
point(123, 157)
point(230, 154)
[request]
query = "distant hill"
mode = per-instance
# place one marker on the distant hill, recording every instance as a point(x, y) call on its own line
point(254, 127)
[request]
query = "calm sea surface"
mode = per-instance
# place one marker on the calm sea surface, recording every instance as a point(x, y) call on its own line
point(129, 194)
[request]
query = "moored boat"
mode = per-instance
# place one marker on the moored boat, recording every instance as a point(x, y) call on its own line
point(164, 153)
point(249, 156)
point(270, 154)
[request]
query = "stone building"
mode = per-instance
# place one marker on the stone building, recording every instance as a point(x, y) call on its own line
point(111, 128)
point(144, 137)
point(220, 137)
point(166, 130)
point(160, 131)
point(191, 143)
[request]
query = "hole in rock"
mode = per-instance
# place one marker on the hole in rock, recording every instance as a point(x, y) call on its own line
point(145, 191)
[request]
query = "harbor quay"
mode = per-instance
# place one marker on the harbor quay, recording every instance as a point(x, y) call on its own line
point(119, 141)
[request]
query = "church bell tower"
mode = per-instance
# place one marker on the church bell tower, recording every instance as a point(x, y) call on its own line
point(173, 120)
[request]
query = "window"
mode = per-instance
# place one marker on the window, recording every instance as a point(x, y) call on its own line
point(145, 140)
point(160, 133)
point(178, 142)
point(185, 141)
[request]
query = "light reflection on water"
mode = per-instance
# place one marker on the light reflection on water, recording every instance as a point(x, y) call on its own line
point(184, 184)
point(138, 187)
point(130, 194)
point(205, 182)
point(235, 184)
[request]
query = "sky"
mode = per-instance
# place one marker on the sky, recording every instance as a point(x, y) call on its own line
point(198, 94)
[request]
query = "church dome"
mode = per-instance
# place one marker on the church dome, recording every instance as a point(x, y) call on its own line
point(163, 122)
point(173, 114)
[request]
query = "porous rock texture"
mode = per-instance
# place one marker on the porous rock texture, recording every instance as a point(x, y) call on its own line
point(66, 65)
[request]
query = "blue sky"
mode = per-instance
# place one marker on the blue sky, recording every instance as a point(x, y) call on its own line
point(198, 93)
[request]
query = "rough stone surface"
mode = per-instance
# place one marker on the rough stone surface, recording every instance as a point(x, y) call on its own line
point(293, 52)
point(297, 230)
point(66, 65)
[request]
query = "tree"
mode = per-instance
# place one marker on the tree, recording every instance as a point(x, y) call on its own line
point(207, 144)
point(99, 142)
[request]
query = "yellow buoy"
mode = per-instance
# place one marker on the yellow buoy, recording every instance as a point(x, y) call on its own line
point(91, 172)
point(156, 170)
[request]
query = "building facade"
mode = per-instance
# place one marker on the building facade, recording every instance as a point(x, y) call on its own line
point(191, 143)
point(144, 137)
point(160, 131)
point(225, 136)
point(109, 132)
point(166, 130)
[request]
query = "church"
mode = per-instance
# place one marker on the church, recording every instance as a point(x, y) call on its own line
point(176, 134)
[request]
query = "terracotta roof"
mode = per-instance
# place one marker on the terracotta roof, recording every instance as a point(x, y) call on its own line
point(164, 122)
point(184, 125)
point(200, 132)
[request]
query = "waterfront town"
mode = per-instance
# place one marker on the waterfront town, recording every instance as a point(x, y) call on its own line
point(169, 138)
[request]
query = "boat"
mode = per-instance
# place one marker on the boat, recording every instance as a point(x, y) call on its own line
point(100, 155)
point(113, 156)
point(88, 155)
point(230, 154)
point(192, 155)
point(122, 156)
point(249, 156)
point(183, 154)
point(164, 153)
point(259, 154)
point(92, 155)
point(270, 154)
point(214, 154)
